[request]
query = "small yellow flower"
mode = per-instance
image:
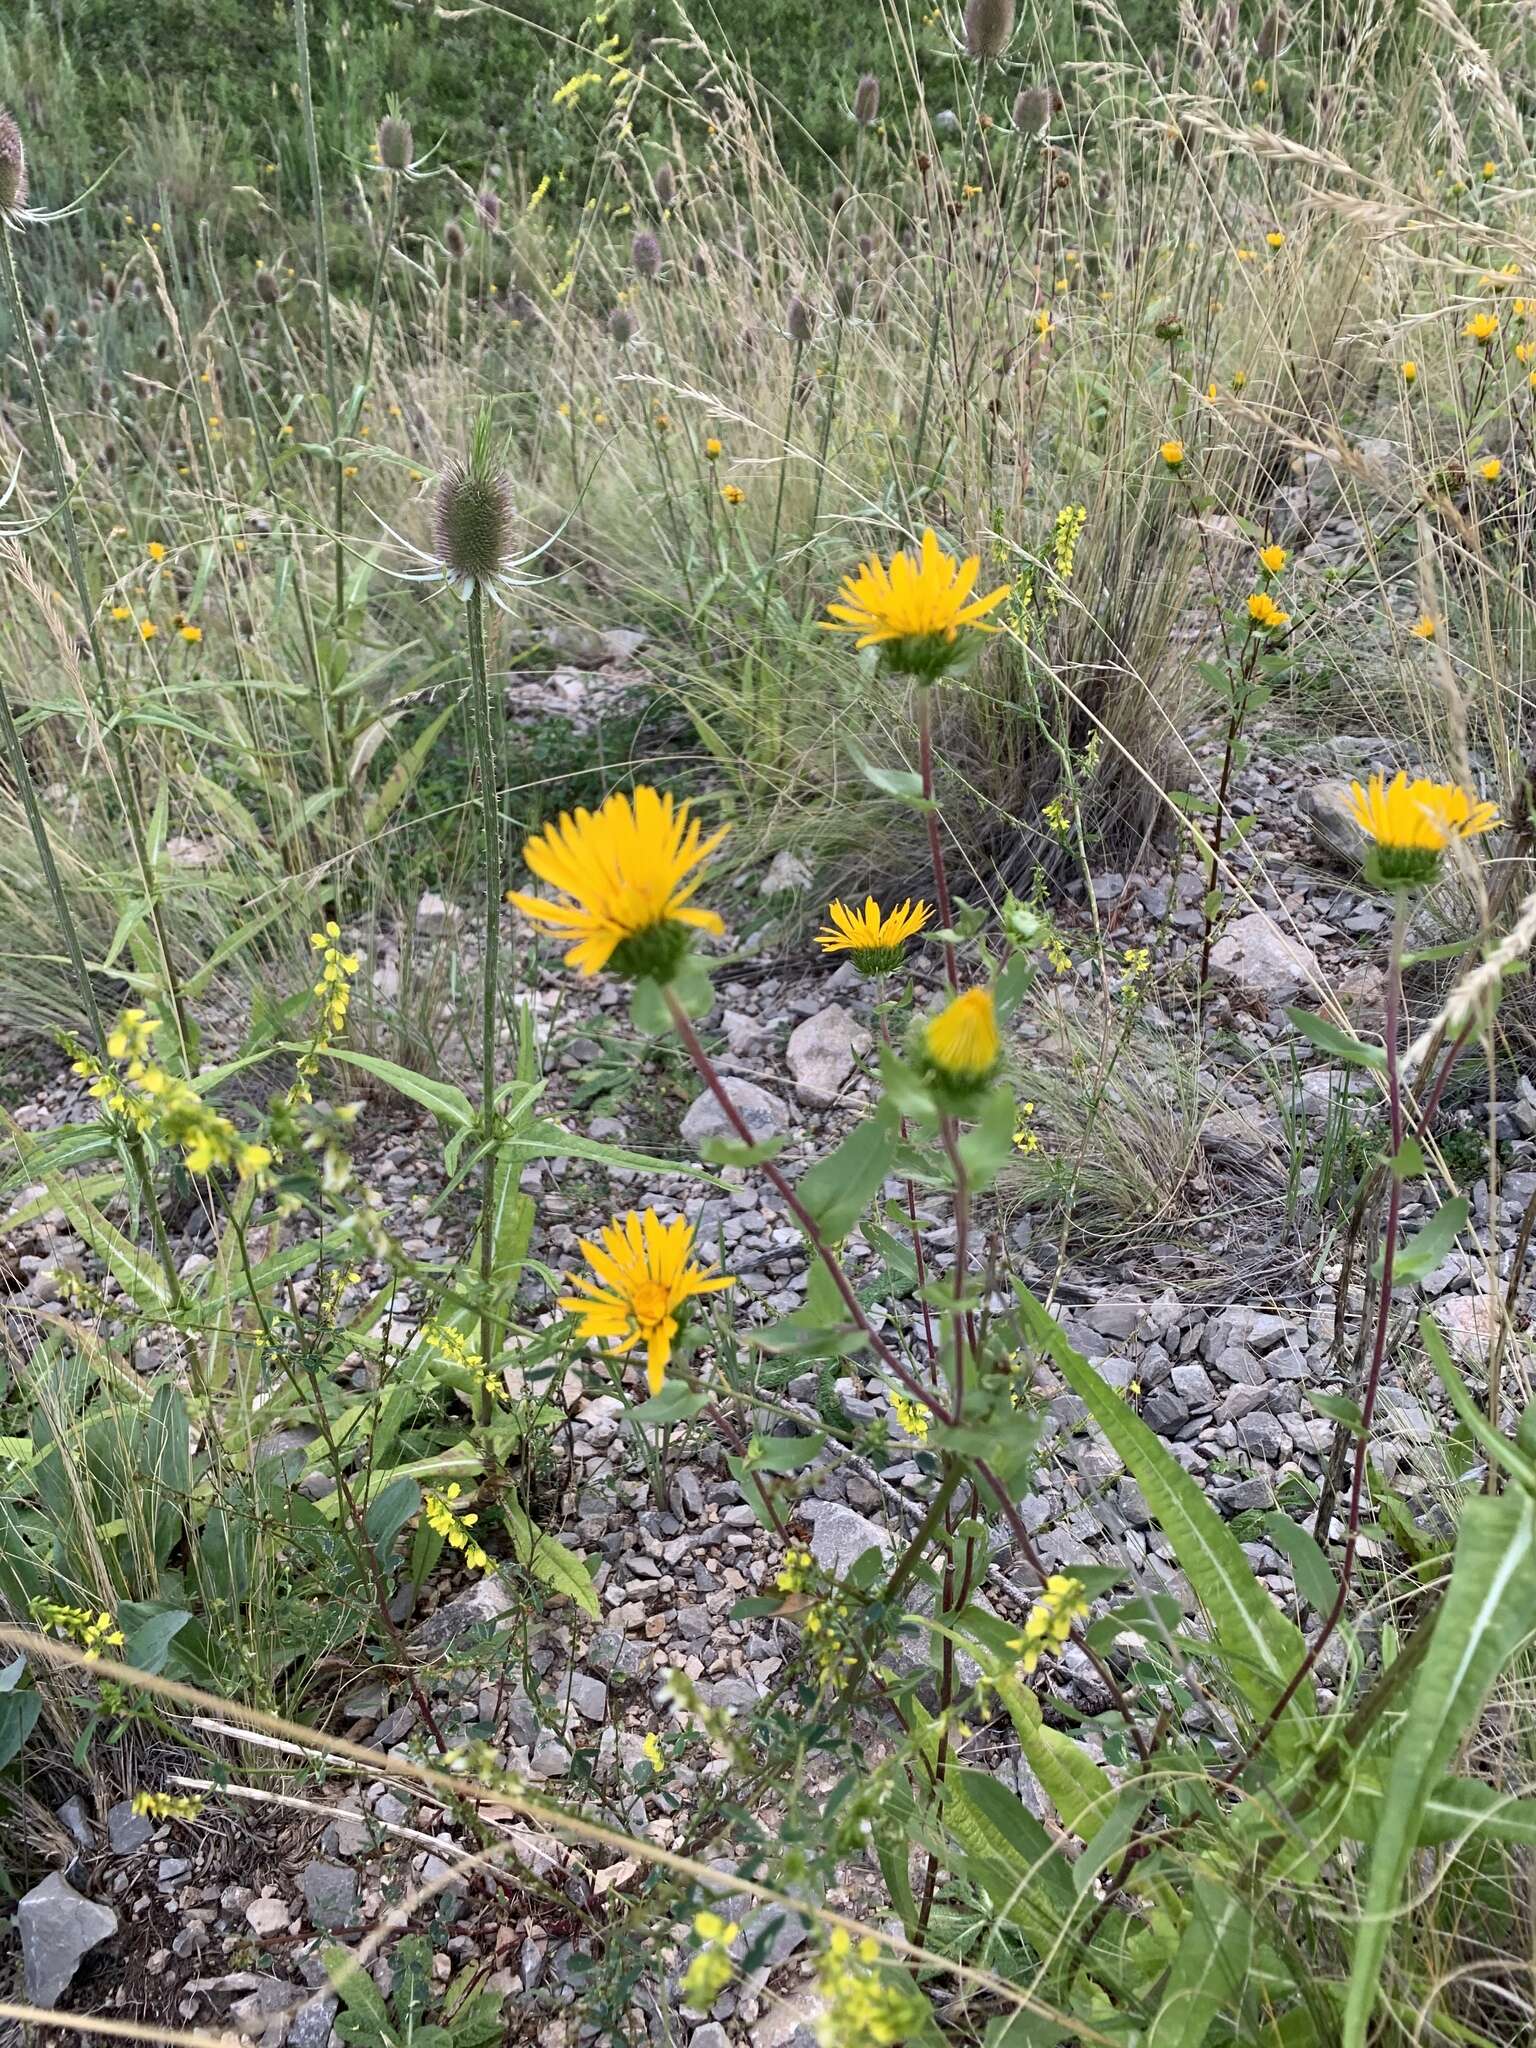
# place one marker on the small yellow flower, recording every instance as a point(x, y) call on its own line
point(914, 609)
point(626, 868)
point(1408, 371)
point(156, 550)
point(1412, 823)
point(1490, 170)
point(1246, 255)
point(1172, 453)
point(1423, 627)
point(1265, 613)
point(962, 1043)
point(644, 1276)
point(190, 633)
point(732, 493)
point(655, 1756)
point(1273, 558)
point(1260, 86)
point(1043, 322)
point(1275, 239)
point(713, 449)
point(910, 1415)
point(147, 629)
point(1491, 470)
point(120, 612)
point(875, 938)
point(1481, 328)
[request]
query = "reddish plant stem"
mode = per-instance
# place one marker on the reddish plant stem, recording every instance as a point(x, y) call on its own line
point(1378, 1358)
point(705, 1068)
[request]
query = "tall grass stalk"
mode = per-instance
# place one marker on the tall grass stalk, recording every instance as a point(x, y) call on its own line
point(323, 289)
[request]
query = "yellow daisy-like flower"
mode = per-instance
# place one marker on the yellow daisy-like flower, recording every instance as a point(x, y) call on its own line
point(156, 550)
point(732, 493)
point(644, 1276)
point(1409, 372)
point(1423, 627)
point(627, 869)
point(874, 937)
point(147, 629)
point(1172, 453)
point(1410, 824)
point(1491, 470)
point(121, 612)
point(914, 610)
point(1273, 558)
point(962, 1044)
point(190, 633)
point(1275, 239)
point(1265, 613)
point(713, 449)
point(1481, 328)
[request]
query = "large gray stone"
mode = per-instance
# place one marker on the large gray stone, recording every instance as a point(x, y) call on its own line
point(1254, 956)
point(1325, 806)
point(839, 1538)
point(58, 1929)
point(764, 1115)
point(330, 1893)
point(822, 1053)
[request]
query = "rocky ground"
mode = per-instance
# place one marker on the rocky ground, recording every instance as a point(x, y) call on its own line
point(1219, 1329)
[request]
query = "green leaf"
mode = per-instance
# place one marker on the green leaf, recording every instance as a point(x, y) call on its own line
point(135, 1272)
point(1493, 1441)
point(677, 1402)
point(1338, 1408)
point(1424, 1251)
point(1263, 1648)
point(838, 1189)
point(397, 785)
point(988, 1145)
point(356, 1989)
point(18, 1717)
point(1488, 1610)
point(1015, 1860)
point(905, 784)
point(1081, 1791)
point(388, 1512)
point(1338, 1044)
point(732, 1152)
point(148, 1633)
point(548, 1560)
point(445, 1101)
point(1314, 1578)
point(1209, 1968)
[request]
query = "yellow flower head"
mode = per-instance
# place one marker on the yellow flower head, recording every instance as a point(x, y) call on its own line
point(1423, 627)
point(156, 550)
point(190, 633)
point(644, 1276)
point(626, 868)
point(1490, 169)
point(120, 612)
point(1275, 239)
point(1265, 613)
point(1491, 470)
point(914, 610)
point(1273, 558)
point(1410, 824)
point(1172, 453)
point(962, 1043)
point(1408, 371)
point(147, 629)
point(874, 937)
point(713, 449)
point(732, 493)
point(1481, 328)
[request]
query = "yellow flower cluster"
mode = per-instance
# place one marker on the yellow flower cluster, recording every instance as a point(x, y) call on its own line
point(150, 1098)
point(860, 2007)
point(1070, 521)
point(828, 1617)
point(711, 1969)
point(334, 988)
point(1050, 1621)
point(911, 1415)
point(454, 1526)
point(1265, 614)
point(93, 1631)
point(456, 1348)
point(167, 1805)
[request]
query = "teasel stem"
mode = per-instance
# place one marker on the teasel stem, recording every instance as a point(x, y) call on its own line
point(771, 567)
point(323, 285)
point(490, 820)
point(390, 217)
point(1392, 1008)
point(828, 414)
point(107, 711)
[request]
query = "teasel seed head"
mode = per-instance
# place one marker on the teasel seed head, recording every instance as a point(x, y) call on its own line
point(395, 143)
point(13, 166)
point(473, 520)
point(867, 247)
point(488, 206)
point(701, 261)
point(109, 286)
point(455, 242)
point(80, 326)
point(1032, 109)
point(666, 187)
point(866, 100)
point(799, 320)
point(268, 290)
point(1271, 38)
point(988, 28)
point(845, 295)
point(645, 255)
point(49, 321)
point(622, 326)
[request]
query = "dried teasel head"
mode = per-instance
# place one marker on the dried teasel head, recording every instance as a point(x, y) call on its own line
point(456, 242)
point(866, 100)
point(800, 321)
point(488, 206)
point(845, 295)
point(395, 143)
point(1032, 109)
point(472, 522)
point(988, 28)
point(13, 166)
point(268, 290)
point(622, 326)
point(666, 186)
point(645, 255)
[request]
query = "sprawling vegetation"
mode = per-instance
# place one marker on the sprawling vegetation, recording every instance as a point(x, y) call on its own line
point(515, 528)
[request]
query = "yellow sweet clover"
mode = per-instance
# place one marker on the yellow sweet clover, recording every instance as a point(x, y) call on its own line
point(453, 1525)
point(1050, 1621)
point(146, 1096)
point(94, 1630)
point(911, 1415)
point(711, 1968)
point(167, 1805)
point(862, 2006)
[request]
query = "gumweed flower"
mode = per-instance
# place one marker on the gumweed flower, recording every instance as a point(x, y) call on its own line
point(876, 939)
point(628, 870)
point(147, 629)
point(1273, 558)
point(713, 449)
point(1490, 170)
point(1481, 328)
point(645, 1276)
point(732, 493)
point(190, 633)
point(1409, 372)
point(960, 1045)
point(1265, 613)
point(1491, 470)
point(1410, 824)
point(1275, 239)
point(1423, 627)
point(156, 550)
point(1172, 452)
point(914, 611)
